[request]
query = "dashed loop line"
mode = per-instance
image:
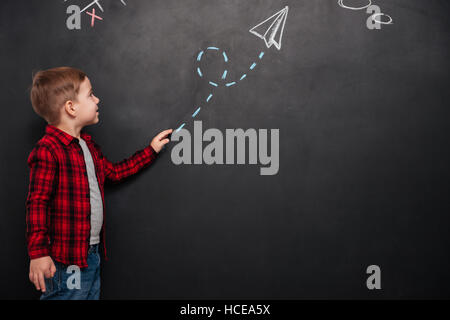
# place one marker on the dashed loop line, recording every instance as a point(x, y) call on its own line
point(195, 113)
point(224, 76)
point(181, 127)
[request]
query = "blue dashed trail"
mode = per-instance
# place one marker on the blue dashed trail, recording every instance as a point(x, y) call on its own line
point(217, 84)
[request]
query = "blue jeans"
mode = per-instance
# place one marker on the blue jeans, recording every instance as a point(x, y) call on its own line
point(73, 283)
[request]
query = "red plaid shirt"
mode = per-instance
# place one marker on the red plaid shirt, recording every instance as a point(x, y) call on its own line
point(58, 202)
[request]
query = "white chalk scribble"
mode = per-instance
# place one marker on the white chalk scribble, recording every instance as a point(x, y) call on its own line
point(341, 4)
point(375, 15)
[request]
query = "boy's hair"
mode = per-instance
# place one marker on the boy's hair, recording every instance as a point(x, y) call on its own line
point(52, 88)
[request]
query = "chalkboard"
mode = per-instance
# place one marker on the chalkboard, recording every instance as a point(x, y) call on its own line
point(361, 105)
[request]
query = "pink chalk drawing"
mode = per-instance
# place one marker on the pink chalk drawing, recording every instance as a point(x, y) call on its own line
point(92, 14)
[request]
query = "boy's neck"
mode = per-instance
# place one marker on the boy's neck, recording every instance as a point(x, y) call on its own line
point(72, 130)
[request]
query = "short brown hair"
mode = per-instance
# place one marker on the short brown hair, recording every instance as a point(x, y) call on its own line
point(52, 88)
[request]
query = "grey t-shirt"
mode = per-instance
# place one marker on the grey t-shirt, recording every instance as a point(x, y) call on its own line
point(95, 195)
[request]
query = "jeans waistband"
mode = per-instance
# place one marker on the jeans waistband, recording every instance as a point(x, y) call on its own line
point(93, 248)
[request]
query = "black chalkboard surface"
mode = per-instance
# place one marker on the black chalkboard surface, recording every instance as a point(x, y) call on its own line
point(363, 117)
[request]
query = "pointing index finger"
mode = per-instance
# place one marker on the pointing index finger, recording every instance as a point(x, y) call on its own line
point(164, 134)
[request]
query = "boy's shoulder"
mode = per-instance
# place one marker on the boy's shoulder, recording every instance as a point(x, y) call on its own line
point(56, 141)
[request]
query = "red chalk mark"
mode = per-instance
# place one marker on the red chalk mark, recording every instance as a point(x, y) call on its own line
point(93, 17)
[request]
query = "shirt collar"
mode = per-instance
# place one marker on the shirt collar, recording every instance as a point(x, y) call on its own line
point(64, 137)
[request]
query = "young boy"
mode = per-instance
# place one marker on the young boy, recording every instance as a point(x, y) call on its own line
point(65, 202)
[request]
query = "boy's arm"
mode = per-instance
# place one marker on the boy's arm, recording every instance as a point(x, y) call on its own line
point(43, 169)
point(127, 167)
point(139, 160)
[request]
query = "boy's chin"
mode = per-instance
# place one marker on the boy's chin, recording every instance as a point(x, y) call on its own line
point(95, 121)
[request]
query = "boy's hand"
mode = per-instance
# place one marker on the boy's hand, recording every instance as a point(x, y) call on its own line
point(40, 268)
point(160, 140)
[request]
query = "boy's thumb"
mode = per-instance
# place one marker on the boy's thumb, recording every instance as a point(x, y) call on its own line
point(52, 269)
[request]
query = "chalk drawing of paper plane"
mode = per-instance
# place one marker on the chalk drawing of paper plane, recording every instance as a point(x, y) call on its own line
point(271, 29)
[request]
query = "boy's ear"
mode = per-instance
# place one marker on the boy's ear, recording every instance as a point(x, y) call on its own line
point(70, 108)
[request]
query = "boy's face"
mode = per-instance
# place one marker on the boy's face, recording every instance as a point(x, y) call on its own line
point(87, 104)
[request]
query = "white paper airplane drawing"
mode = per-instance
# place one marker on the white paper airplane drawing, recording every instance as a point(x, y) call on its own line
point(271, 29)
